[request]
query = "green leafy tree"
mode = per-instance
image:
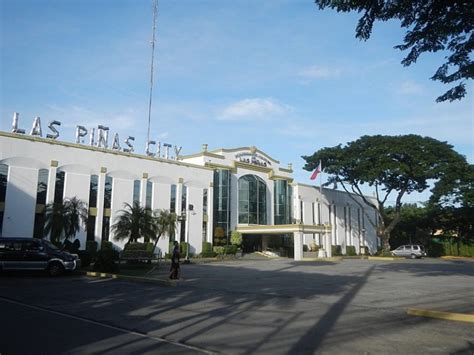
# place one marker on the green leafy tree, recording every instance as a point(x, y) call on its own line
point(165, 222)
point(453, 203)
point(134, 222)
point(431, 26)
point(416, 225)
point(391, 165)
point(65, 219)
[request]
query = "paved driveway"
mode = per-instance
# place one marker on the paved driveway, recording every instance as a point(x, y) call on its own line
point(247, 306)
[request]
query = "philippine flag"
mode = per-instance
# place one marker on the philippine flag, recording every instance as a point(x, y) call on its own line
point(315, 173)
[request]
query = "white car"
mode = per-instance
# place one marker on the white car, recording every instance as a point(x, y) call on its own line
point(412, 250)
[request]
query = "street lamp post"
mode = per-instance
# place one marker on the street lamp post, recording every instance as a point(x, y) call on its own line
point(363, 240)
point(188, 211)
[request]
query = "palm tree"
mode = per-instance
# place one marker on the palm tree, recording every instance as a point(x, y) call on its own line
point(63, 219)
point(165, 224)
point(134, 222)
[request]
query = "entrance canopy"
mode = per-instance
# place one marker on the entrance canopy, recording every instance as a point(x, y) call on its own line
point(298, 230)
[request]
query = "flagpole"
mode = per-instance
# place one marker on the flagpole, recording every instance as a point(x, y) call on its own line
point(321, 180)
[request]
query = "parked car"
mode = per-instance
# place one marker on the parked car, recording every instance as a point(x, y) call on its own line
point(412, 250)
point(35, 254)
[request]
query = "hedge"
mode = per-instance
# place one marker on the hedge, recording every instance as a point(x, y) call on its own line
point(351, 250)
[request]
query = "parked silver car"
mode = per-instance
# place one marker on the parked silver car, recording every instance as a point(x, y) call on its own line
point(412, 250)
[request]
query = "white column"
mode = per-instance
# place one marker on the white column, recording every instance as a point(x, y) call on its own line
point(179, 192)
point(271, 205)
point(210, 212)
point(51, 182)
point(298, 245)
point(100, 206)
point(334, 224)
point(328, 244)
point(143, 184)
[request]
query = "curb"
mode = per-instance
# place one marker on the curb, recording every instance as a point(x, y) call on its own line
point(131, 278)
point(448, 257)
point(459, 317)
point(332, 258)
point(384, 258)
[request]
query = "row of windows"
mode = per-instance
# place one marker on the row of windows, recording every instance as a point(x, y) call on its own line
point(41, 198)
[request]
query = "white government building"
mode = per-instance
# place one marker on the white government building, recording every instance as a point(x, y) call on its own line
point(241, 189)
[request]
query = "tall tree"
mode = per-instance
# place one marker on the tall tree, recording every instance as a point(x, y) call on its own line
point(416, 225)
point(65, 219)
point(165, 225)
point(453, 203)
point(134, 222)
point(432, 26)
point(396, 165)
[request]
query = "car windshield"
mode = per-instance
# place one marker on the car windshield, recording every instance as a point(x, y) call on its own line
point(50, 245)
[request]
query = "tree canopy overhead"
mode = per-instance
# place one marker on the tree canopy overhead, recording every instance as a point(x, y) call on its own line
point(392, 165)
point(432, 26)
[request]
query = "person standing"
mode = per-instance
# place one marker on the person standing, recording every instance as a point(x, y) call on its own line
point(174, 270)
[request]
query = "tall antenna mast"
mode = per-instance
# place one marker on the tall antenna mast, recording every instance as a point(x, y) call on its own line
point(155, 11)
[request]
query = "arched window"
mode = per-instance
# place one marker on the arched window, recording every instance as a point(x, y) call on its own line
point(136, 191)
point(282, 202)
point(107, 206)
point(41, 189)
point(149, 194)
point(91, 220)
point(59, 189)
point(252, 200)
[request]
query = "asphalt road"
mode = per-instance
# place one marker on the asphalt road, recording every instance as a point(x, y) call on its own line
point(247, 306)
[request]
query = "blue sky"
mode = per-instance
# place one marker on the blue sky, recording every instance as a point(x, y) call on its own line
point(278, 74)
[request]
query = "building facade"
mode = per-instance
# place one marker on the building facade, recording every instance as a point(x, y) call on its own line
point(213, 192)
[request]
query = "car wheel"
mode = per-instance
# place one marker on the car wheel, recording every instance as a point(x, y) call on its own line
point(55, 269)
point(413, 256)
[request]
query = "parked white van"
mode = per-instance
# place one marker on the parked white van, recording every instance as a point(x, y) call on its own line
point(412, 250)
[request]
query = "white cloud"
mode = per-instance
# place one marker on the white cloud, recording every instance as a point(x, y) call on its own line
point(320, 72)
point(409, 87)
point(249, 109)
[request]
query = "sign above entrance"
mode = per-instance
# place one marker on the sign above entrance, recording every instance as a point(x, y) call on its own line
point(253, 158)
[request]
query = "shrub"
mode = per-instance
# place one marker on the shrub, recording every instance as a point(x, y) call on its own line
point(305, 247)
point(382, 252)
point(206, 247)
point(106, 245)
point(208, 254)
point(91, 247)
point(336, 250)
point(230, 249)
point(236, 238)
point(435, 249)
point(105, 261)
point(135, 251)
point(218, 250)
point(150, 247)
point(86, 258)
point(183, 247)
point(71, 247)
point(466, 250)
point(351, 250)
